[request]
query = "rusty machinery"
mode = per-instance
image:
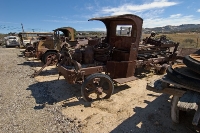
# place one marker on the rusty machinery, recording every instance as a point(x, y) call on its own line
point(157, 53)
point(47, 48)
point(114, 59)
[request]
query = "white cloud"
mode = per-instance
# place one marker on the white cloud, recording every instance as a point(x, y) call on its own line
point(178, 20)
point(131, 8)
point(175, 16)
point(151, 13)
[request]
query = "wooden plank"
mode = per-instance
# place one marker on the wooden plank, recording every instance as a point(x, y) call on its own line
point(162, 87)
point(170, 91)
point(167, 80)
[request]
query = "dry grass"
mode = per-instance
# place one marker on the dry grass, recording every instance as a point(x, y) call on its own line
point(181, 38)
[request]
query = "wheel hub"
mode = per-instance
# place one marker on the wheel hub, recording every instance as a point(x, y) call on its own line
point(99, 90)
point(53, 59)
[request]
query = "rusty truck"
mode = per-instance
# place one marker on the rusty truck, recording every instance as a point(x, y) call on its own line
point(115, 58)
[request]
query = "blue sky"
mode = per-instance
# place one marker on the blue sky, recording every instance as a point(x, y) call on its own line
point(46, 15)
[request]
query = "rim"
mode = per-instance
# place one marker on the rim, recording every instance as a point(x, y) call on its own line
point(54, 60)
point(97, 88)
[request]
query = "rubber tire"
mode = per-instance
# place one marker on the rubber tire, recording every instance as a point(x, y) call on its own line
point(45, 55)
point(93, 76)
point(192, 64)
point(181, 79)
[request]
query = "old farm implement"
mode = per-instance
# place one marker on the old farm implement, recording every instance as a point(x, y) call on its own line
point(115, 58)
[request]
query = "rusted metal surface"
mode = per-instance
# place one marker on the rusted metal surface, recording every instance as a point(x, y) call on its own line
point(70, 75)
point(91, 70)
point(39, 71)
point(29, 52)
point(88, 55)
point(121, 69)
point(97, 86)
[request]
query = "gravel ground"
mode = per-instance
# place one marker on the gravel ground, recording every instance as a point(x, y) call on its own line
point(44, 104)
point(23, 101)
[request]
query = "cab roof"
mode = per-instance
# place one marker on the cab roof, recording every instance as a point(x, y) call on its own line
point(117, 17)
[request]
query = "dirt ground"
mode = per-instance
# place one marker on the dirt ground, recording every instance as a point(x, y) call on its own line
point(131, 108)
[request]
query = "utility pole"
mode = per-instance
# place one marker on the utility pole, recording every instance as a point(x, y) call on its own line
point(22, 27)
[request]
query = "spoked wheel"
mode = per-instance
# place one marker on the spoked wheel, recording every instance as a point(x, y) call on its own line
point(97, 86)
point(50, 56)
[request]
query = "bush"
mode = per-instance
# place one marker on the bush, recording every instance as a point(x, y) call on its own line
point(189, 40)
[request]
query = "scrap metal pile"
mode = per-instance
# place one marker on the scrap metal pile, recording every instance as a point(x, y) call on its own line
point(103, 61)
point(152, 53)
point(157, 53)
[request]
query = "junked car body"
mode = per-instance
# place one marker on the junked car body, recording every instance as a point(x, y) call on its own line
point(12, 41)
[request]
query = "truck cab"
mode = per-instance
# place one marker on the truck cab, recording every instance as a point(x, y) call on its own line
point(123, 35)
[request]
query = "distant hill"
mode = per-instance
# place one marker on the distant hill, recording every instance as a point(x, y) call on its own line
point(165, 29)
point(180, 28)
